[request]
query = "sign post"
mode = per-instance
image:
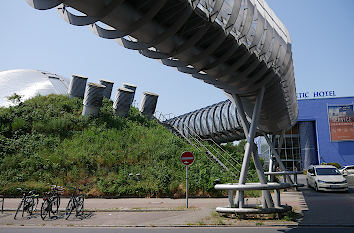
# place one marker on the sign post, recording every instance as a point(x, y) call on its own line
point(187, 158)
point(187, 187)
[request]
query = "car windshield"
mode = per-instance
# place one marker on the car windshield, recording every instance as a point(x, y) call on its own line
point(327, 171)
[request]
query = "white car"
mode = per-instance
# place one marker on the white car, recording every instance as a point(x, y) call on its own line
point(347, 170)
point(326, 178)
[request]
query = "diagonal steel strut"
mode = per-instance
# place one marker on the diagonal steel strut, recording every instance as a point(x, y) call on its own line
point(250, 149)
point(277, 156)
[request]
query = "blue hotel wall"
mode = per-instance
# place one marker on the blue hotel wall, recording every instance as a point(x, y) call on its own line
point(316, 110)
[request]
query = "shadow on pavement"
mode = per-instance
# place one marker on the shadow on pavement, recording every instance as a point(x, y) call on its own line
point(61, 215)
point(326, 212)
point(80, 217)
point(5, 214)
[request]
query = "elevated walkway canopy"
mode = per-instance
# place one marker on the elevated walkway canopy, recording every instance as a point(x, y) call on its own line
point(238, 46)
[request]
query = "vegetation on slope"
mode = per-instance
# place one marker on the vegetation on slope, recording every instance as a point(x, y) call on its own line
point(45, 140)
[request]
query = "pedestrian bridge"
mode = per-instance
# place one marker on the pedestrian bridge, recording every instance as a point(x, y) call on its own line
point(238, 46)
point(219, 122)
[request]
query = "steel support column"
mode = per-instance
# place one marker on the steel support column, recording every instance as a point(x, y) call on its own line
point(277, 156)
point(271, 164)
point(250, 148)
point(271, 161)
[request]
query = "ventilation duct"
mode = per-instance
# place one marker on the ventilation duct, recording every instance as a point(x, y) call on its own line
point(148, 104)
point(108, 90)
point(77, 86)
point(122, 101)
point(93, 99)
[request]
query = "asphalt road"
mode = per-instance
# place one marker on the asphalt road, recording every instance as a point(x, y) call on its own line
point(180, 230)
point(328, 208)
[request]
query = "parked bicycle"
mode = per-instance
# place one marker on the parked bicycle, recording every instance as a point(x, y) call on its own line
point(51, 202)
point(76, 203)
point(28, 203)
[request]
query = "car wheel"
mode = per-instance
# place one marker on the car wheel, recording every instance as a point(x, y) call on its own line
point(316, 187)
point(307, 183)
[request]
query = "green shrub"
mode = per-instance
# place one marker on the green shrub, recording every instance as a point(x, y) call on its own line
point(46, 140)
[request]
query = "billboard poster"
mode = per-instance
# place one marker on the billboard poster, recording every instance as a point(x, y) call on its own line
point(341, 122)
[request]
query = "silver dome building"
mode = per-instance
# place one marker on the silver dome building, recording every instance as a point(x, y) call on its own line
point(30, 83)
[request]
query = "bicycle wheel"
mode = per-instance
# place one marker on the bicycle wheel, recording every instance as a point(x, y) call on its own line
point(26, 205)
point(31, 205)
point(69, 208)
point(45, 210)
point(35, 203)
point(80, 205)
point(55, 202)
point(18, 208)
point(58, 202)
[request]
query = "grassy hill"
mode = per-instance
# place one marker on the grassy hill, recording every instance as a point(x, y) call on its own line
point(45, 140)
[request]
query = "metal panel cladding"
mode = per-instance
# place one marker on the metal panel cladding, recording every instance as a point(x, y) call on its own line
point(30, 83)
point(218, 122)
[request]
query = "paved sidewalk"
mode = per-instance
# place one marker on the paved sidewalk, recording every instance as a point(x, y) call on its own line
point(146, 212)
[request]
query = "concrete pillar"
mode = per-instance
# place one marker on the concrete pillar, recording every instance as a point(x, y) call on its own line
point(93, 99)
point(122, 101)
point(148, 104)
point(77, 86)
point(108, 90)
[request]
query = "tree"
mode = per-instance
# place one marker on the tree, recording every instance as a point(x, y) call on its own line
point(15, 98)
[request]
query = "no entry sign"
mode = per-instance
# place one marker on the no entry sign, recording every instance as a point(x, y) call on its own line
point(187, 158)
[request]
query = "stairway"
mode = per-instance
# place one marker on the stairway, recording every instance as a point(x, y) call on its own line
point(205, 146)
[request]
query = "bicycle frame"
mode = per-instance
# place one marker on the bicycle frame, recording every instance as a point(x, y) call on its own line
point(28, 203)
point(51, 202)
point(76, 202)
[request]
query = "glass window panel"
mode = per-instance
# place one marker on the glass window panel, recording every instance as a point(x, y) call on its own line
point(185, 125)
point(191, 125)
point(210, 121)
point(203, 123)
point(217, 121)
point(232, 116)
point(225, 116)
point(197, 122)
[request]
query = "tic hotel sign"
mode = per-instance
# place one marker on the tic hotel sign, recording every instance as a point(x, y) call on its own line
point(315, 94)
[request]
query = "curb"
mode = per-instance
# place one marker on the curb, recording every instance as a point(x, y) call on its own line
point(117, 210)
point(295, 225)
point(152, 226)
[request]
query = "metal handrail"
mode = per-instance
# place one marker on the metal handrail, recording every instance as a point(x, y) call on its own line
point(199, 140)
point(179, 132)
point(220, 154)
point(253, 175)
point(209, 139)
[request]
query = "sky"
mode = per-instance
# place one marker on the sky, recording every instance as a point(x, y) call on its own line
point(322, 34)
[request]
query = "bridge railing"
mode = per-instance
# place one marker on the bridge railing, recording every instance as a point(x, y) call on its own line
point(197, 141)
point(219, 155)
